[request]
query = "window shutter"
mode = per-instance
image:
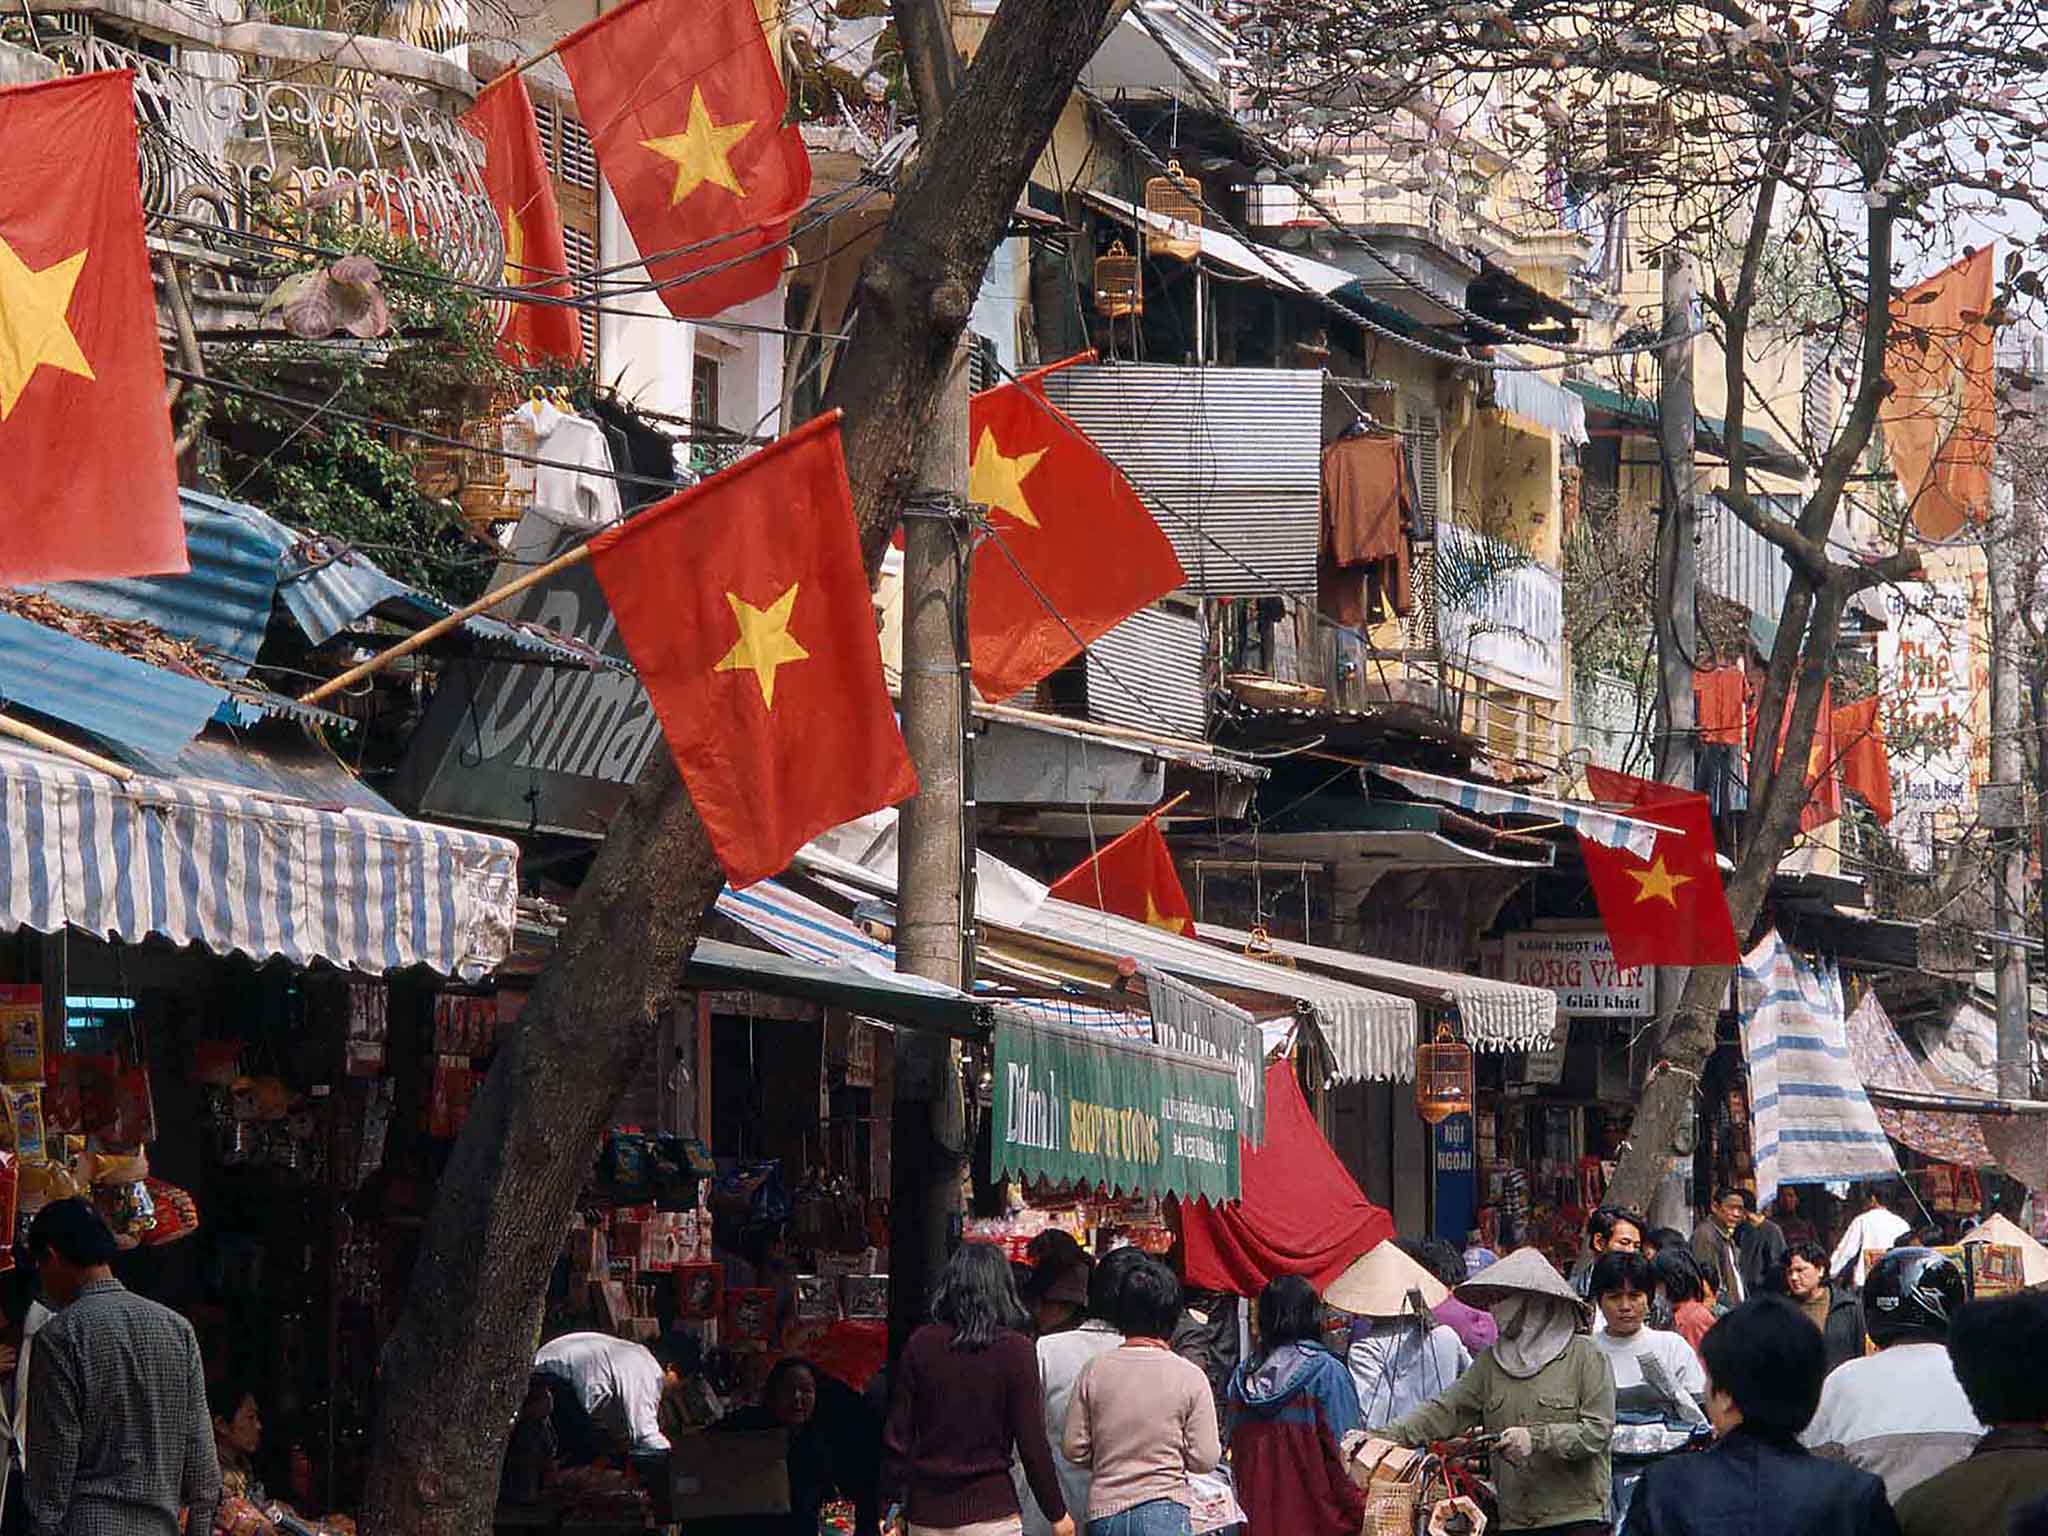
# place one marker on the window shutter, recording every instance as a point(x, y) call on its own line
point(572, 162)
point(1422, 443)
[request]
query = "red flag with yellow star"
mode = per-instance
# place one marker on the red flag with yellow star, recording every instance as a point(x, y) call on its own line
point(1671, 908)
point(744, 604)
point(523, 194)
point(1073, 552)
point(92, 482)
point(1133, 877)
point(684, 105)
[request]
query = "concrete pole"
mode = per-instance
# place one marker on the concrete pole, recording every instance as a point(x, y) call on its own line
point(2008, 767)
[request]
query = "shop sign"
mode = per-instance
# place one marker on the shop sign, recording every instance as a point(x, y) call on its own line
point(535, 748)
point(1545, 1068)
point(1925, 675)
point(1190, 1021)
point(1580, 968)
point(1456, 1177)
point(1074, 1108)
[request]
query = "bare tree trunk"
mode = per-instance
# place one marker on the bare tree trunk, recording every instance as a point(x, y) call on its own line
point(456, 1367)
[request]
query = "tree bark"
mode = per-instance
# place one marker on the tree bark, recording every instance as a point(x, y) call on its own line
point(456, 1367)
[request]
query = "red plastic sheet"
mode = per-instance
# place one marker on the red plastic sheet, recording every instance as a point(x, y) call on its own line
point(1301, 1212)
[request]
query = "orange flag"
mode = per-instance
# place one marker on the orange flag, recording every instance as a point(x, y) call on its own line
point(684, 106)
point(92, 483)
point(517, 181)
point(1074, 552)
point(1859, 737)
point(1941, 419)
point(1133, 877)
point(744, 604)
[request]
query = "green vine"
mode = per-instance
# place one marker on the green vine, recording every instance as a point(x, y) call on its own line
point(317, 470)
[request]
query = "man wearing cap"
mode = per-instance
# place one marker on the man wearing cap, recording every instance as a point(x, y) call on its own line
point(1544, 1390)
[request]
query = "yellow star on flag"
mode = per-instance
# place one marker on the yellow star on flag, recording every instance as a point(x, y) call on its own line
point(33, 329)
point(1658, 883)
point(1154, 918)
point(515, 250)
point(700, 151)
point(997, 481)
point(765, 642)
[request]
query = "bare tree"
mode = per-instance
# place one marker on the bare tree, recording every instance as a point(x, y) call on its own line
point(457, 1364)
point(1840, 143)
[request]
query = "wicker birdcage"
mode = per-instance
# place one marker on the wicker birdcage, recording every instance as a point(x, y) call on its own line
point(1443, 1077)
point(1118, 289)
point(476, 477)
point(1166, 198)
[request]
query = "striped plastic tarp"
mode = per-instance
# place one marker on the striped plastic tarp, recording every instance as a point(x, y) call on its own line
point(247, 874)
point(1811, 1120)
point(1603, 827)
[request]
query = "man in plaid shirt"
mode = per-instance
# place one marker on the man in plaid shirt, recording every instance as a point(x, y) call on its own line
point(117, 1397)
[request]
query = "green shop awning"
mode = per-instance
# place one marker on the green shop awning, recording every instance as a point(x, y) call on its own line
point(1710, 432)
point(1080, 1107)
point(910, 1001)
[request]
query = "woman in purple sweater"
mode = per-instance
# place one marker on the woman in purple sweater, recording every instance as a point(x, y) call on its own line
point(966, 1395)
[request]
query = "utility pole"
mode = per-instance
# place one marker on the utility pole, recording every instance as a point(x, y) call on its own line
point(2008, 770)
point(1676, 606)
point(1675, 610)
point(928, 1126)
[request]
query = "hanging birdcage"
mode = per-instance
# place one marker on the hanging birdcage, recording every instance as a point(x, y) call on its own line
point(1118, 290)
point(1443, 1077)
point(1166, 198)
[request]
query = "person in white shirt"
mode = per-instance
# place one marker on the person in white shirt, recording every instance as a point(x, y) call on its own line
point(1061, 1358)
point(1901, 1412)
point(21, 1318)
point(617, 1382)
point(1399, 1355)
point(1874, 1230)
point(1623, 1286)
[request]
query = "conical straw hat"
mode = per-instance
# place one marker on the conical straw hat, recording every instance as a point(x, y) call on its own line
point(2001, 1231)
point(1525, 1272)
point(1378, 1284)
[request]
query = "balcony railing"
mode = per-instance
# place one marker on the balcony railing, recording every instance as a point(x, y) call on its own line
point(229, 143)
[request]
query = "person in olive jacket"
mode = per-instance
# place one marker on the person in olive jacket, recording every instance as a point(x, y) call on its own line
point(1544, 1389)
point(1765, 1363)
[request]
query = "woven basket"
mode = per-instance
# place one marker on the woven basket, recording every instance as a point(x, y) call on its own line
point(1263, 692)
point(1391, 1508)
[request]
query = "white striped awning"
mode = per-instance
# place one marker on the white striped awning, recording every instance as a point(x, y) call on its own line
point(1604, 827)
point(245, 873)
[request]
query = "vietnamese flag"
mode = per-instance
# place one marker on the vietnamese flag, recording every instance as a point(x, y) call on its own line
point(684, 106)
point(92, 482)
point(1133, 877)
point(1671, 908)
point(1072, 553)
point(1859, 737)
point(744, 604)
point(523, 196)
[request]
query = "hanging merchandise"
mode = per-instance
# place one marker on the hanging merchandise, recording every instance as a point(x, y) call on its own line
point(21, 1034)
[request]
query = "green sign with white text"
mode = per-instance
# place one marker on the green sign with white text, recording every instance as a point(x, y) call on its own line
point(1088, 1108)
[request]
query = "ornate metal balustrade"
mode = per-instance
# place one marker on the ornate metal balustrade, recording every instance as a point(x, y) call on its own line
point(229, 144)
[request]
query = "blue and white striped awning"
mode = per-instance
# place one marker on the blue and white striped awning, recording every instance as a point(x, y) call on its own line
point(244, 873)
point(1604, 827)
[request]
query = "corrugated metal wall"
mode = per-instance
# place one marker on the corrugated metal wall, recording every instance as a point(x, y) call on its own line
point(1738, 563)
point(1229, 460)
point(1158, 655)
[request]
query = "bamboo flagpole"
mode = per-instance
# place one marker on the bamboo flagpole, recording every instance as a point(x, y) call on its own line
point(21, 730)
point(440, 627)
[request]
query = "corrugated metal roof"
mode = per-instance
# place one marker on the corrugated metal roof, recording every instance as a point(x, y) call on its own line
point(143, 711)
point(315, 777)
point(1148, 673)
point(243, 560)
point(328, 586)
point(1228, 459)
point(223, 603)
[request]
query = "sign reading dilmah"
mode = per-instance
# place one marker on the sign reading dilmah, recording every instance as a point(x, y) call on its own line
point(1089, 1108)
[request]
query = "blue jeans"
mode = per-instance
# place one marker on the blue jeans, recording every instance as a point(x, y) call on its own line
point(1154, 1517)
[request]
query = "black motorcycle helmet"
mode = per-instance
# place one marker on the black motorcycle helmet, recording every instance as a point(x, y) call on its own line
point(1912, 1293)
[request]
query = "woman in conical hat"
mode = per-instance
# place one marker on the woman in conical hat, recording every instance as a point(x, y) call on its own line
point(1399, 1355)
point(1543, 1389)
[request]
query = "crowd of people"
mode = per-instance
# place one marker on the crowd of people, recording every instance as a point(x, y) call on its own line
point(1669, 1387)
